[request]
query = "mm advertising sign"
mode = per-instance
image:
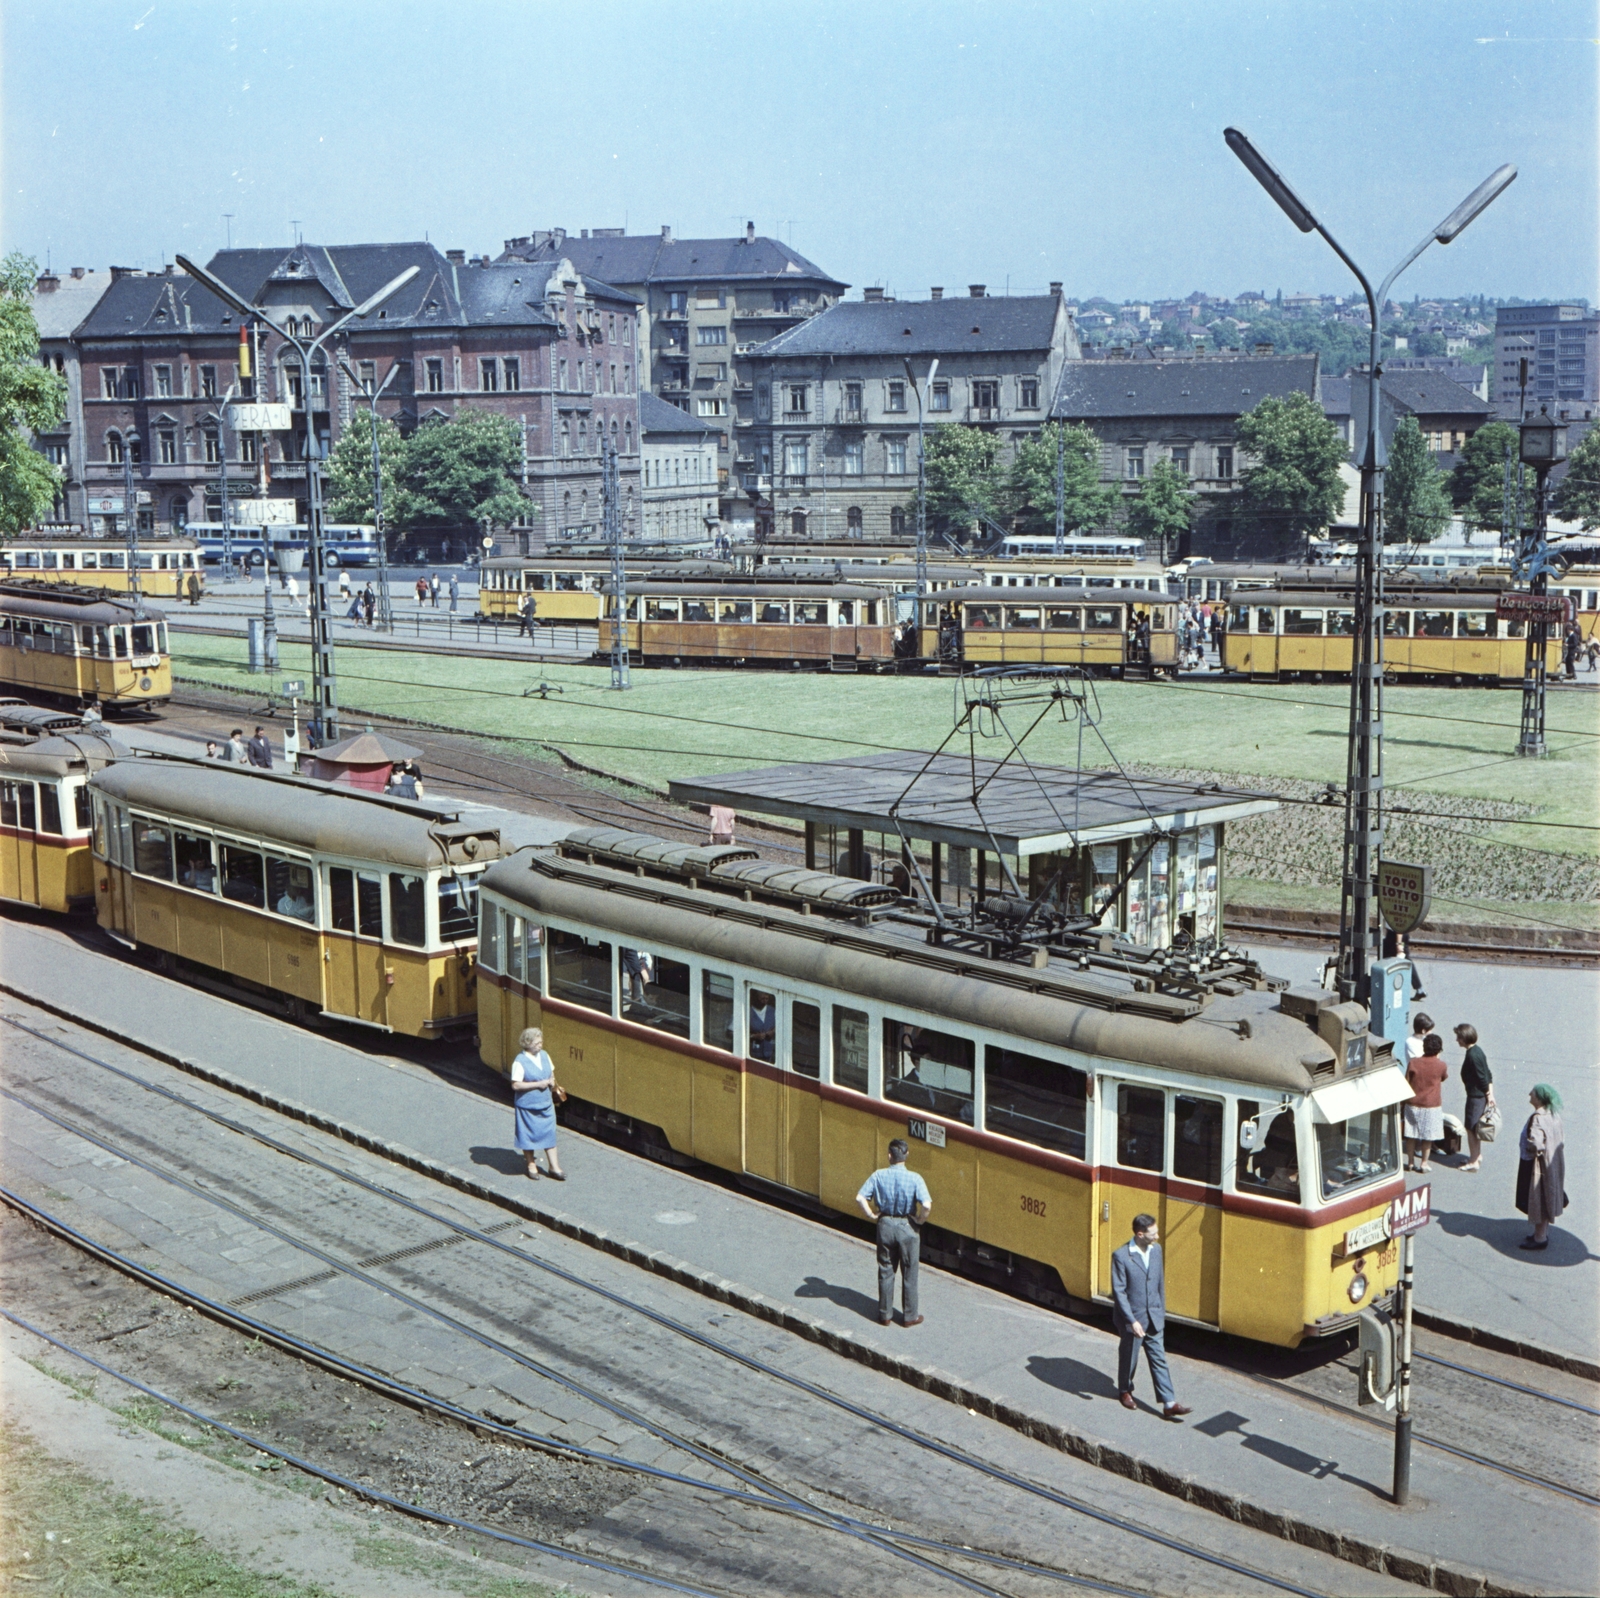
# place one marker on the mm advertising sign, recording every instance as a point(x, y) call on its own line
point(1411, 1211)
point(1555, 608)
point(264, 512)
point(1405, 894)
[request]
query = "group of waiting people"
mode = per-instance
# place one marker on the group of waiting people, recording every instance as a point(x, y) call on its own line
point(257, 752)
point(1542, 1164)
point(363, 606)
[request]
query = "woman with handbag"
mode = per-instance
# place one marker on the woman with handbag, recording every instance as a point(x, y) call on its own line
point(1478, 1080)
point(1542, 1175)
point(536, 1093)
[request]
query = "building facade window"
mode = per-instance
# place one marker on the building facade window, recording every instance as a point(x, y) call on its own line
point(163, 382)
point(135, 449)
point(367, 375)
point(208, 382)
point(1224, 460)
point(677, 303)
point(435, 376)
point(852, 402)
point(797, 523)
point(897, 521)
point(940, 399)
point(797, 399)
point(489, 376)
point(249, 448)
point(627, 438)
point(627, 378)
point(710, 298)
point(213, 446)
point(1133, 464)
point(985, 397)
point(583, 436)
point(1180, 458)
point(167, 447)
point(896, 465)
point(109, 382)
point(566, 438)
point(1029, 400)
point(854, 457)
point(711, 335)
point(796, 457)
point(897, 396)
point(852, 521)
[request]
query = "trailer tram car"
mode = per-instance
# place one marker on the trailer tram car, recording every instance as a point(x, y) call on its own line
point(44, 819)
point(794, 1022)
point(331, 901)
point(1443, 632)
point(563, 590)
point(165, 565)
point(1092, 628)
point(821, 624)
point(77, 646)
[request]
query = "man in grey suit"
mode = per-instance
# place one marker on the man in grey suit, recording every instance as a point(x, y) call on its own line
point(1139, 1312)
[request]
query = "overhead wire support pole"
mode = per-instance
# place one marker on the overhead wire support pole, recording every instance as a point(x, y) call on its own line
point(611, 490)
point(130, 514)
point(1061, 488)
point(1363, 840)
point(222, 479)
point(385, 607)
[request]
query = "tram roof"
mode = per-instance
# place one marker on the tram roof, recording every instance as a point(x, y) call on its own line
point(1021, 810)
point(62, 755)
point(748, 588)
point(1036, 594)
point(73, 602)
point(301, 812)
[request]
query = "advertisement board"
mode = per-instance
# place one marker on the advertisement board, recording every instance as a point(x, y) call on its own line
point(260, 418)
point(1405, 894)
point(264, 512)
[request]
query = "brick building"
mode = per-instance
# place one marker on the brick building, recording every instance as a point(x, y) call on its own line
point(554, 351)
point(60, 305)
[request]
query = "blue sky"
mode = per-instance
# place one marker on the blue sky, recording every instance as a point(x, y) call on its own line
point(902, 144)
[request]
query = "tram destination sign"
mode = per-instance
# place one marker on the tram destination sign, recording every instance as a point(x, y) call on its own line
point(1534, 607)
point(1405, 894)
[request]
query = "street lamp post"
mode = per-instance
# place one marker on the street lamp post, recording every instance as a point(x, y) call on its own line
point(130, 512)
point(1543, 444)
point(385, 609)
point(922, 488)
point(1061, 488)
point(324, 682)
point(1363, 836)
point(611, 505)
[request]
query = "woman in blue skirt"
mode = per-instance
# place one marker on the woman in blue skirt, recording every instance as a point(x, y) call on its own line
point(533, 1075)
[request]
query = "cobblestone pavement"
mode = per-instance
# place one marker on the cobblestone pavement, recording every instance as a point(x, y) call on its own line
point(816, 1451)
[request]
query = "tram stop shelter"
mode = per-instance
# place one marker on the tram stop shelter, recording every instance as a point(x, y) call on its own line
point(1071, 836)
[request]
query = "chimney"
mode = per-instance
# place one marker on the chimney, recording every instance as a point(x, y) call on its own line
point(78, 271)
point(749, 232)
point(872, 296)
point(666, 235)
point(1055, 290)
point(936, 294)
point(977, 290)
point(456, 257)
point(1264, 348)
point(46, 283)
point(585, 233)
point(123, 271)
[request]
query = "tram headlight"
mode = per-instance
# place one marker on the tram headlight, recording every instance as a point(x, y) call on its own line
point(1358, 1288)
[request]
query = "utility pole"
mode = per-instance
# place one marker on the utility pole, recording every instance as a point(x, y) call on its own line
point(385, 608)
point(1544, 443)
point(222, 475)
point(922, 486)
point(611, 494)
point(130, 513)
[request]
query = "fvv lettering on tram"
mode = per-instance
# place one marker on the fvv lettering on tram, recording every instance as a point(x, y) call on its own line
point(928, 1132)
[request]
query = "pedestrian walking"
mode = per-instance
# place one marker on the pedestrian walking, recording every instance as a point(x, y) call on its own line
point(259, 750)
point(1592, 650)
point(212, 752)
point(193, 587)
point(1423, 1115)
point(1478, 1080)
point(534, 1092)
point(1139, 1313)
point(1542, 1172)
point(455, 593)
point(292, 586)
point(354, 612)
point(369, 602)
point(237, 751)
point(897, 1199)
point(1571, 648)
point(525, 615)
point(433, 589)
point(422, 591)
point(344, 583)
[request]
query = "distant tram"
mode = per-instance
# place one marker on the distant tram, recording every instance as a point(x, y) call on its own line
point(1097, 629)
point(78, 646)
point(45, 817)
point(165, 565)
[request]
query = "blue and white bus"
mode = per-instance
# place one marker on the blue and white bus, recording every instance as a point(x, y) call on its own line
point(346, 543)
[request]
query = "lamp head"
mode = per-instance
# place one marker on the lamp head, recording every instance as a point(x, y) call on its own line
point(1266, 175)
point(1543, 442)
point(1480, 199)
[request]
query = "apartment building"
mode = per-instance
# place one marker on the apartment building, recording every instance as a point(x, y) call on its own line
point(1561, 344)
point(679, 482)
point(60, 304)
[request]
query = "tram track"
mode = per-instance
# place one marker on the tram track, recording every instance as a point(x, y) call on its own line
point(948, 1452)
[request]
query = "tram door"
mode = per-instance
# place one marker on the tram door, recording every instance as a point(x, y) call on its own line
point(353, 964)
point(1161, 1154)
point(782, 1119)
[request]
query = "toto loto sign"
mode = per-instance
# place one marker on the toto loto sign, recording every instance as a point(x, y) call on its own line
point(1534, 607)
point(1405, 894)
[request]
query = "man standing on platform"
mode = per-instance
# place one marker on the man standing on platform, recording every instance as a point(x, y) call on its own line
point(1139, 1312)
point(898, 1200)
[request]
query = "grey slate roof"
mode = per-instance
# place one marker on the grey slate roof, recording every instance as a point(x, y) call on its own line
point(1431, 394)
point(1090, 390)
point(1336, 396)
point(649, 258)
point(60, 311)
point(923, 327)
point(657, 416)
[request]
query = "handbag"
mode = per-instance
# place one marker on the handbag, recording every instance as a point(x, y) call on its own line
point(558, 1094)
point(1488, 1126)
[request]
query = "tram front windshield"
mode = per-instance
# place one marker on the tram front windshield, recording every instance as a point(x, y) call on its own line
point(1355, 1152)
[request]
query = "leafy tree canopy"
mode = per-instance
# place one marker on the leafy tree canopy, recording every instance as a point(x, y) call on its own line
point(963, 478)
point(1294, 487)
point(1416, 505)
point(350, 472)
point(460, 473)
point(1164, 509)
point(1030, 491)
point(1477, 485)
point(31, 400)
point(1578, 497)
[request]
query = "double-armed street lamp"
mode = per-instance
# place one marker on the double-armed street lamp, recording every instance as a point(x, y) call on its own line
point(1363, 838)
point(372, 396)
point(324, 684)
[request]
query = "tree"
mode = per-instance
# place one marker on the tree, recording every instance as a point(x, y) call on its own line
point(1578, 497)
point(31, 400)
point(963, 478)
point(350, 472)
point(460, 474)
point(1416, 505)
point(1030, 494)
point(1294, 488)
point(1164, 509)
point(1477, 485)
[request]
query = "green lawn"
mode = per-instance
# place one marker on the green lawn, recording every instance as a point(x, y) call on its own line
point(683, 723)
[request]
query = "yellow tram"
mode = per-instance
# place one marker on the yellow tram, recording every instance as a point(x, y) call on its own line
point(1093, 628)
point(793, 1022)
point(78, 646)
point(330, 900)
point(44, 819)
point(1429, 631)
point(562, 591)
point(165, 565)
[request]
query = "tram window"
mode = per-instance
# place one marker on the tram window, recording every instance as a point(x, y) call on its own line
point(289, 888)
point(1435, 624)
point(697, 610)
point(1106, 864)
point(580, 970)
point(1036, 1100)
point(569, 582)
point(1516, 629)
point(102, 833)
point(458, 908)
point(663, 992)
point(1357, 1151)
point(124, 823)
point(144, 640)
point(1397, 624)
point(1022, 620)
point(539, 582)
point(17, 805)
point(152, 849)
point(928, 1069)
point(1475, 624)
point(734, 610)
point(773, 610)
point(196, 868)
point(407, 913)
point(1066, 620)
point(660, 610)
point(763, 1020)
point(1141, 1128)
point(514, 947)
point(1273, 1168)
point(1103, 619)
point(811, 615)
point(1341, 623)
point(86, 639)
point(49, 808)
point(83, 812)
point(716, 1010)
point(1197, 1139)
point(119, 640)
point(489, 937)
point(1266, 619)
point(982, 618)
point(805, 1039)
point(5, 630)
point(847, 613)
point(851, 1034)
point(1239, 618)
point(244, 877)
point(1303, 623)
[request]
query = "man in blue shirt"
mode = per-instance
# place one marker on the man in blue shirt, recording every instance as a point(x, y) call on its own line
point(1139, 1313)
point(898, 1200)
